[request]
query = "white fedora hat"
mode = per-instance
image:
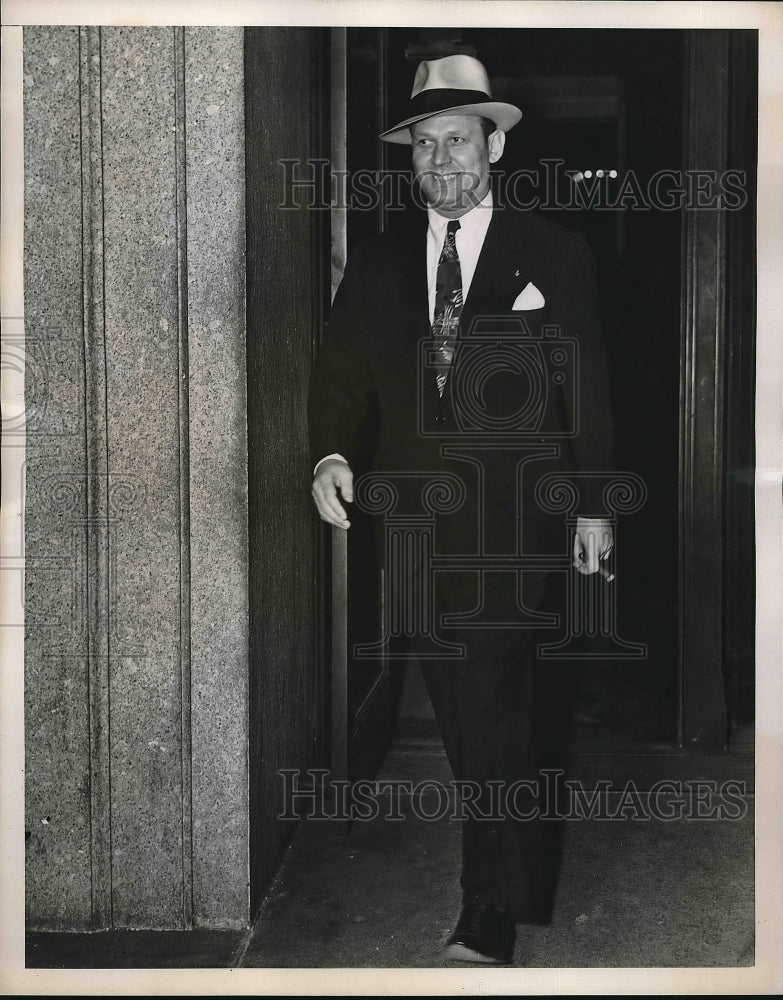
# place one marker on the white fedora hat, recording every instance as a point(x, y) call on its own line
point(454, 85)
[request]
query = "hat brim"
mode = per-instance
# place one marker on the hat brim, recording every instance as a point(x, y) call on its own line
point(505, 116)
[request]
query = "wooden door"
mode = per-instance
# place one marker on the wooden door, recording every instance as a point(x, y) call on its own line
point(287, 299)
point(362, 687)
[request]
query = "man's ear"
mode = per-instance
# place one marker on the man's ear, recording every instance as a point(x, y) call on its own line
point(496, 143)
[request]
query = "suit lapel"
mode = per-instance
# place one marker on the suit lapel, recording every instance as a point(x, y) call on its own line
point(507, 262)
point(503, 268)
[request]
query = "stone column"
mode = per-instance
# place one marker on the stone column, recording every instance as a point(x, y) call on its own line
point(136, 515)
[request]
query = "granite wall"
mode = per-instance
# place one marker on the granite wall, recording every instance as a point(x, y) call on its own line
point(136, 663)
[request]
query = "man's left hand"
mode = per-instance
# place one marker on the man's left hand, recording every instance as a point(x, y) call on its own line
point(593, 541)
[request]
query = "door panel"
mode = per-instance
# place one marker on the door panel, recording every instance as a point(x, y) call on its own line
point(362, 688)
point(287, 290)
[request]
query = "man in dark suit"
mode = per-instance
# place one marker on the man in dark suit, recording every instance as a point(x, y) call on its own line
point(414, 338)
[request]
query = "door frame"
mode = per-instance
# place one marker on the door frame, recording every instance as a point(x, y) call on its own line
point(717, 374)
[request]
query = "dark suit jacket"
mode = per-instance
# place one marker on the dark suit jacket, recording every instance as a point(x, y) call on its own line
point(374, 365)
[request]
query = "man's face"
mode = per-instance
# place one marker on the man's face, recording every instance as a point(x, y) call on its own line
point(451, 161)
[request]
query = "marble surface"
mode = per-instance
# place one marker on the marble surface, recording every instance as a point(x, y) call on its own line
point(57, 746)
point(142, 371)
point(218, 471)
point(136, 525)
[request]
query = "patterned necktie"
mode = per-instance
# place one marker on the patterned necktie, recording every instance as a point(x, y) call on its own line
point(448, 304)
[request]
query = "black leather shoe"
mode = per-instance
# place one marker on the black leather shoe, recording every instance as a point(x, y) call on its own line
point(483, 934)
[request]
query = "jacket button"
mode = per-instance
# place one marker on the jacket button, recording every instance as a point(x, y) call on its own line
point(440, 420)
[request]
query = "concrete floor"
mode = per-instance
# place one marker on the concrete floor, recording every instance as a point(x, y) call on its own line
point(630, 893)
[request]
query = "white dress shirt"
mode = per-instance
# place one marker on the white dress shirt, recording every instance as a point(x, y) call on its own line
point(473, 226)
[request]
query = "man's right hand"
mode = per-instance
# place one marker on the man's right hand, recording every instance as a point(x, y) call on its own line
point(332, 476)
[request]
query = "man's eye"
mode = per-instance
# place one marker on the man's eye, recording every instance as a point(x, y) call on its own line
point(457, 139)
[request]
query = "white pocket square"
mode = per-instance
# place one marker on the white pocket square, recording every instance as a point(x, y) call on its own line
point(529, 298)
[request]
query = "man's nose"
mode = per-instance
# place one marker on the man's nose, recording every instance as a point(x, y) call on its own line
point(441, 154)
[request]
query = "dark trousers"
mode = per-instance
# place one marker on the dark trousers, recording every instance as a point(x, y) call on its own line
point(483, 704)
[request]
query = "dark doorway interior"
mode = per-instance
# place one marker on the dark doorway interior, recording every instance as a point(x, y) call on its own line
point(614, 103)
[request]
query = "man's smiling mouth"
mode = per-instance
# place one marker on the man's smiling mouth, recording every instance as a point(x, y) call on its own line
point(447, 178)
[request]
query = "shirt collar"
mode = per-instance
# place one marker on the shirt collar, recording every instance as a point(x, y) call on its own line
point(471, 221)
